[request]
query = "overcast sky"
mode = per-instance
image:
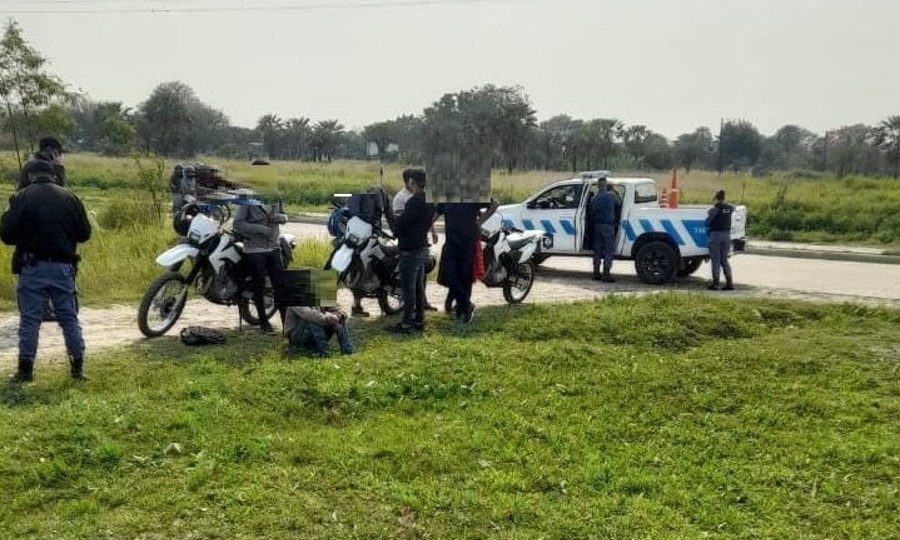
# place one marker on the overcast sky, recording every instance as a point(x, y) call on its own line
point(672, 65)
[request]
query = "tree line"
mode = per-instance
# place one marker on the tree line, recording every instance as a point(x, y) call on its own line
point(174, 122)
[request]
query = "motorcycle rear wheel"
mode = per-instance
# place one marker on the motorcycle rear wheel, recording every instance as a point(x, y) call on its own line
point(165, 300)
point(247, 308)
point(516, 287)
point(390, 300)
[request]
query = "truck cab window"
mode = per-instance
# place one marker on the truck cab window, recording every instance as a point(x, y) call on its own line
point(558, 198)
point(645, 193)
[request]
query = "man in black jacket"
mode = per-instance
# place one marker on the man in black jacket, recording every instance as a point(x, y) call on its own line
point(412, 228)
point(50, 150)
point(45, 222)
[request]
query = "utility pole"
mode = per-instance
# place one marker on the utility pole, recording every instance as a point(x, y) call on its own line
point(721, 128)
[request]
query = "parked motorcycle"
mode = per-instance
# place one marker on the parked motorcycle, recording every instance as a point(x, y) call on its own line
point(366, 261)
point(217, 270)
point(507, 253)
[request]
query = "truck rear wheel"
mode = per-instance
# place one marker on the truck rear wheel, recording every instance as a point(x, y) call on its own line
point(656, 262)
point(689, 266)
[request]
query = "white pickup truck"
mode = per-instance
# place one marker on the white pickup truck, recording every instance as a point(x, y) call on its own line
point(663, 242)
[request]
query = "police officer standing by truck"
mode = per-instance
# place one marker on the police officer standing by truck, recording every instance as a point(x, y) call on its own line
point(45, 222)
point(603, 211)
point(718, 223)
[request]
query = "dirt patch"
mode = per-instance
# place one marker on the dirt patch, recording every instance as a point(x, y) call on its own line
point(117, 325)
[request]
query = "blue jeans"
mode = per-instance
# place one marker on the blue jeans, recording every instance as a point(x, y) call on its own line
point(314, 338)
point(57, 282)
point(412, 278)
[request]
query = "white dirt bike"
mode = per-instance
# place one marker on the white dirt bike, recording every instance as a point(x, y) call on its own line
point(217, 269)
point(508, 254)
point(367, 262)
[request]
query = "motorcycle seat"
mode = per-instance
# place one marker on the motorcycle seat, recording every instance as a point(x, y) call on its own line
point(517, 240)
point(391, 251)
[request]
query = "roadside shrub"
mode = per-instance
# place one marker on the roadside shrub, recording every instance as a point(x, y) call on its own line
point(128, 213)
point(780, 235)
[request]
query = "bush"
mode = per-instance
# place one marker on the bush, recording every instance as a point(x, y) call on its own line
point(128, 213)
point(779, 235)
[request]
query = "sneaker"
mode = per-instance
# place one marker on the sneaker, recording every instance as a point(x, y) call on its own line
point(21, 377)
point(266, 328)
point(401, 328)
point(468, 317)
point(358, 311)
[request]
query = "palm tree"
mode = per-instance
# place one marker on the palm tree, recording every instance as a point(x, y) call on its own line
point(270, 127)
point(298, 134)
point(327, 139)
point(889, 141)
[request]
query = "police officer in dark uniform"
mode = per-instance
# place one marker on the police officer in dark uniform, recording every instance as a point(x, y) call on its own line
point(50, 150)
point(603, 212)
point(45, 222)
point(718, 223)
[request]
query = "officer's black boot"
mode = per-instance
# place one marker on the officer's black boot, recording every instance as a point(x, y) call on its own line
point(76, 368)
point(25, 373)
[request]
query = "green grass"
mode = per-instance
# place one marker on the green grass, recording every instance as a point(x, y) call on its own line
point(668, 416)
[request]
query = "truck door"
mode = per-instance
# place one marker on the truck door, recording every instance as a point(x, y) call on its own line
point(554, 212)
point(624, 232)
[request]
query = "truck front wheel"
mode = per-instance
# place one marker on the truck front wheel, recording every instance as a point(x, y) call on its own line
point(656, 262)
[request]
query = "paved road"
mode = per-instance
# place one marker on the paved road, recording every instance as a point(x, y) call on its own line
point(764, 275)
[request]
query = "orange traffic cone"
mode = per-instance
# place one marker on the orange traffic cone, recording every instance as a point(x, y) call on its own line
point(673, 196)
point(664, 198)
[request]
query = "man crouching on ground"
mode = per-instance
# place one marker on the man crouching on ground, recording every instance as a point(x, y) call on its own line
point(310, 328)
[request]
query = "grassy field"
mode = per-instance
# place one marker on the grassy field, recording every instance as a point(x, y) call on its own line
point(788, 207)
point(660, 417)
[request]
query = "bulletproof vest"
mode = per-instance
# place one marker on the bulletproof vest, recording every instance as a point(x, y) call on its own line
point(721, 220)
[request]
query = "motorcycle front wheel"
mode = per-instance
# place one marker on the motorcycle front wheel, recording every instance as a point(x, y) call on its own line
point(516, 287)
point(162, 304)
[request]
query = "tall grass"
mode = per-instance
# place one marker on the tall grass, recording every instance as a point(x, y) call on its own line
point(804, 207)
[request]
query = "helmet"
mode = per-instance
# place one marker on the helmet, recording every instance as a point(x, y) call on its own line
point(181, 221)
point(189, 171)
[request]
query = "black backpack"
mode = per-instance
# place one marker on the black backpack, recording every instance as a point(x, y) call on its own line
point(198, 335)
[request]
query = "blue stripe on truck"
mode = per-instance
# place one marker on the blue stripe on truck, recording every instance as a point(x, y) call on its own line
point(567, 226)
point(673, 232)
point(697, 229)
point(645, 223)
point(629, 232)
point(548, 226)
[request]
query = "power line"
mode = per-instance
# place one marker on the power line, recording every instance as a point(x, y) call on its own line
point(86, 7)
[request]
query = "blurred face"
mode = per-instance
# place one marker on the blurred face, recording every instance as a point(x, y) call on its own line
point(56, 155)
